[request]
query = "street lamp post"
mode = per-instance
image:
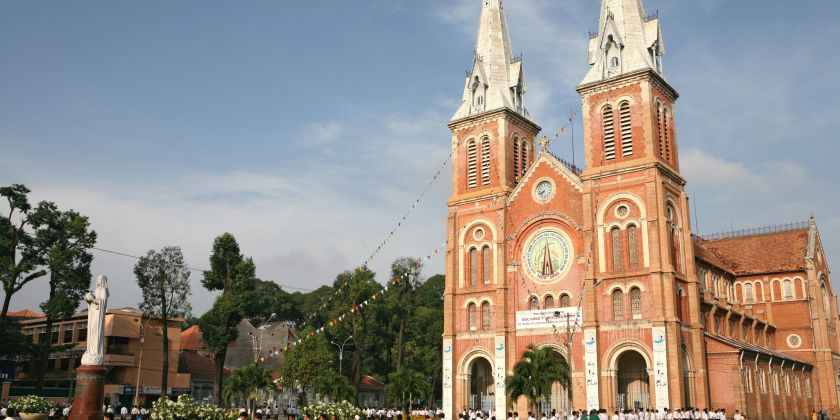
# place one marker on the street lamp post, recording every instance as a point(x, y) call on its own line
point(140, 361)
point(341, 352)
point(257, 341)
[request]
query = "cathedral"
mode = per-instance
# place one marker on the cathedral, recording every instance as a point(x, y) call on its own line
point(600, 265)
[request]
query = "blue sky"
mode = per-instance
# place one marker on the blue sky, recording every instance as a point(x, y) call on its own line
point(308, 128)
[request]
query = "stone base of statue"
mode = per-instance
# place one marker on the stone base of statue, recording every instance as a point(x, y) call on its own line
point(90, 393)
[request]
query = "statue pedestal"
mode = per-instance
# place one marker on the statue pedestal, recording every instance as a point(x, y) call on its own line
point(90, 393)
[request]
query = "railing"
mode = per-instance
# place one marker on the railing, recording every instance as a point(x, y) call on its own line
point(593, 35)
point(652, 16)
point(516, 58)
point(570, 166)
point(787, 227)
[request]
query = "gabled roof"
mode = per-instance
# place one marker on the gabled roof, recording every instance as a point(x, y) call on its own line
point(763, 253)
point(553, 162)
point(198, 366)
point(369, 382)
point(25, 314)
point(191, 339)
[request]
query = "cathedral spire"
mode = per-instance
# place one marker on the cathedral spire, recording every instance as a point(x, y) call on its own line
point(495, 80)
point(627, 41)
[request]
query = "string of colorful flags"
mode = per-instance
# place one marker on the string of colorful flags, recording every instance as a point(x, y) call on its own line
point(276, 350)
point(387, 239)
point(566, 126)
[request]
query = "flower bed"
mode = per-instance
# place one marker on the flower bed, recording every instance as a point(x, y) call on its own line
point(32, 404)
point(341, 410)
point(188, 409)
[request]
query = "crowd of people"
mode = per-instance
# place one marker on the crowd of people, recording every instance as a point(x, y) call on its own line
point(602, 414)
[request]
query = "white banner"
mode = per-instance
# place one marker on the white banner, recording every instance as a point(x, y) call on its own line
point(501, 375)
point(547, 318)
point(447, 377)
point(660, 366)
point(590, 358)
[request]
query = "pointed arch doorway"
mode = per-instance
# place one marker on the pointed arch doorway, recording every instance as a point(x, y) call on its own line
point(632, 381)
point(560, 398)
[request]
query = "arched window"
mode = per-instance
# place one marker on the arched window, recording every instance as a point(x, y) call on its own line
point(565, 301)
point(826, 306)
point(549, 302)
point(485, 262)
point(485, 161)
point(679, 306)
point(787, 289)
point(473, 267)
point(701, 277)
point(472, 316)
point(534, 303)
point(615, 62)
point(659, 135)
point(615, 235)
point(618, 304)
point(626, 129)
point(524, 163)
point(515, 160)
point(609, 133)
point(749, 293)
point(636, 302)
point(633, 245)
point(485, 316)
point(472, 162)
point(666, 134)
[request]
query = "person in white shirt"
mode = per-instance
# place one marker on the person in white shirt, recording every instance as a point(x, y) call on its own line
point(615, 416)
point(531, 416)
point(737, 416)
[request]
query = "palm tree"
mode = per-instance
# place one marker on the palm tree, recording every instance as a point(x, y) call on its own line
point(247, 384)
point(336, 387)
point(406, 383)
point(533, 375)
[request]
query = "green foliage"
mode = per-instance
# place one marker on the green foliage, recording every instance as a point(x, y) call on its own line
point(335, 387)
point(340, 410)
point(188, 409)
point(14, 343)
point(164, 280)
point(247, 384)
point(32, 404)
point(533, 375)
point(405, 385)
point(306, 363)
point(40, 241)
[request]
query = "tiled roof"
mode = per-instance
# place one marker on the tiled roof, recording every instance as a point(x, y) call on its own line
point(369, 382)
point(26, 314)
point(753, 348)
point(200, 367)
point(765, 253)
point(191, 339)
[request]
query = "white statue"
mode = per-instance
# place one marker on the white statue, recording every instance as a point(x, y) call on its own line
point(97, 304)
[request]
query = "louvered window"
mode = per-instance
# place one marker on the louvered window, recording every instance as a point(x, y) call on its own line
point(618, 304)
point(485, 162)
point(472, 162)
point(609, 134)
point(626, 130)
point(633, 245)
point(616, 248)
point(549, 302)
point(667, 134)
point(473, 267)
point(636, 302)
point(787, 289)
point(565, 301)
point(515, 160)
point(523, 167)
point(485, 316)
point(749, 293)
point(659, 130)
point(485, 262)
point(472, 316)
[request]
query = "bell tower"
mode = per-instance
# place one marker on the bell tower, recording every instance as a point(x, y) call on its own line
point(493, 145)
point(637, 218)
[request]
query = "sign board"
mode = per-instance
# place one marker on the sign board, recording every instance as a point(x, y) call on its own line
point(501, 374)
point(548, 318)
point(660, 366)
point(7, 374)
point(447, 377)
point(590, 359)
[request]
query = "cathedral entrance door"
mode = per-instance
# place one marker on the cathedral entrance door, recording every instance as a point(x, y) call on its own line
point(633, 381)
point(482, 386)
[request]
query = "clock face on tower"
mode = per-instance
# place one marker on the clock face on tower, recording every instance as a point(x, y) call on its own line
point(547, 255)
point(544, 190)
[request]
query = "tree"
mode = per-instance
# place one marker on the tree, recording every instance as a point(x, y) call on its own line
point(401, 299)
point(163, 278)
point(65, 241)
point(235, 276)
point(335, 387)
point(35, 242)
point(306, 363)
point(406, 383)
point(533, 375)
point(247, 384)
